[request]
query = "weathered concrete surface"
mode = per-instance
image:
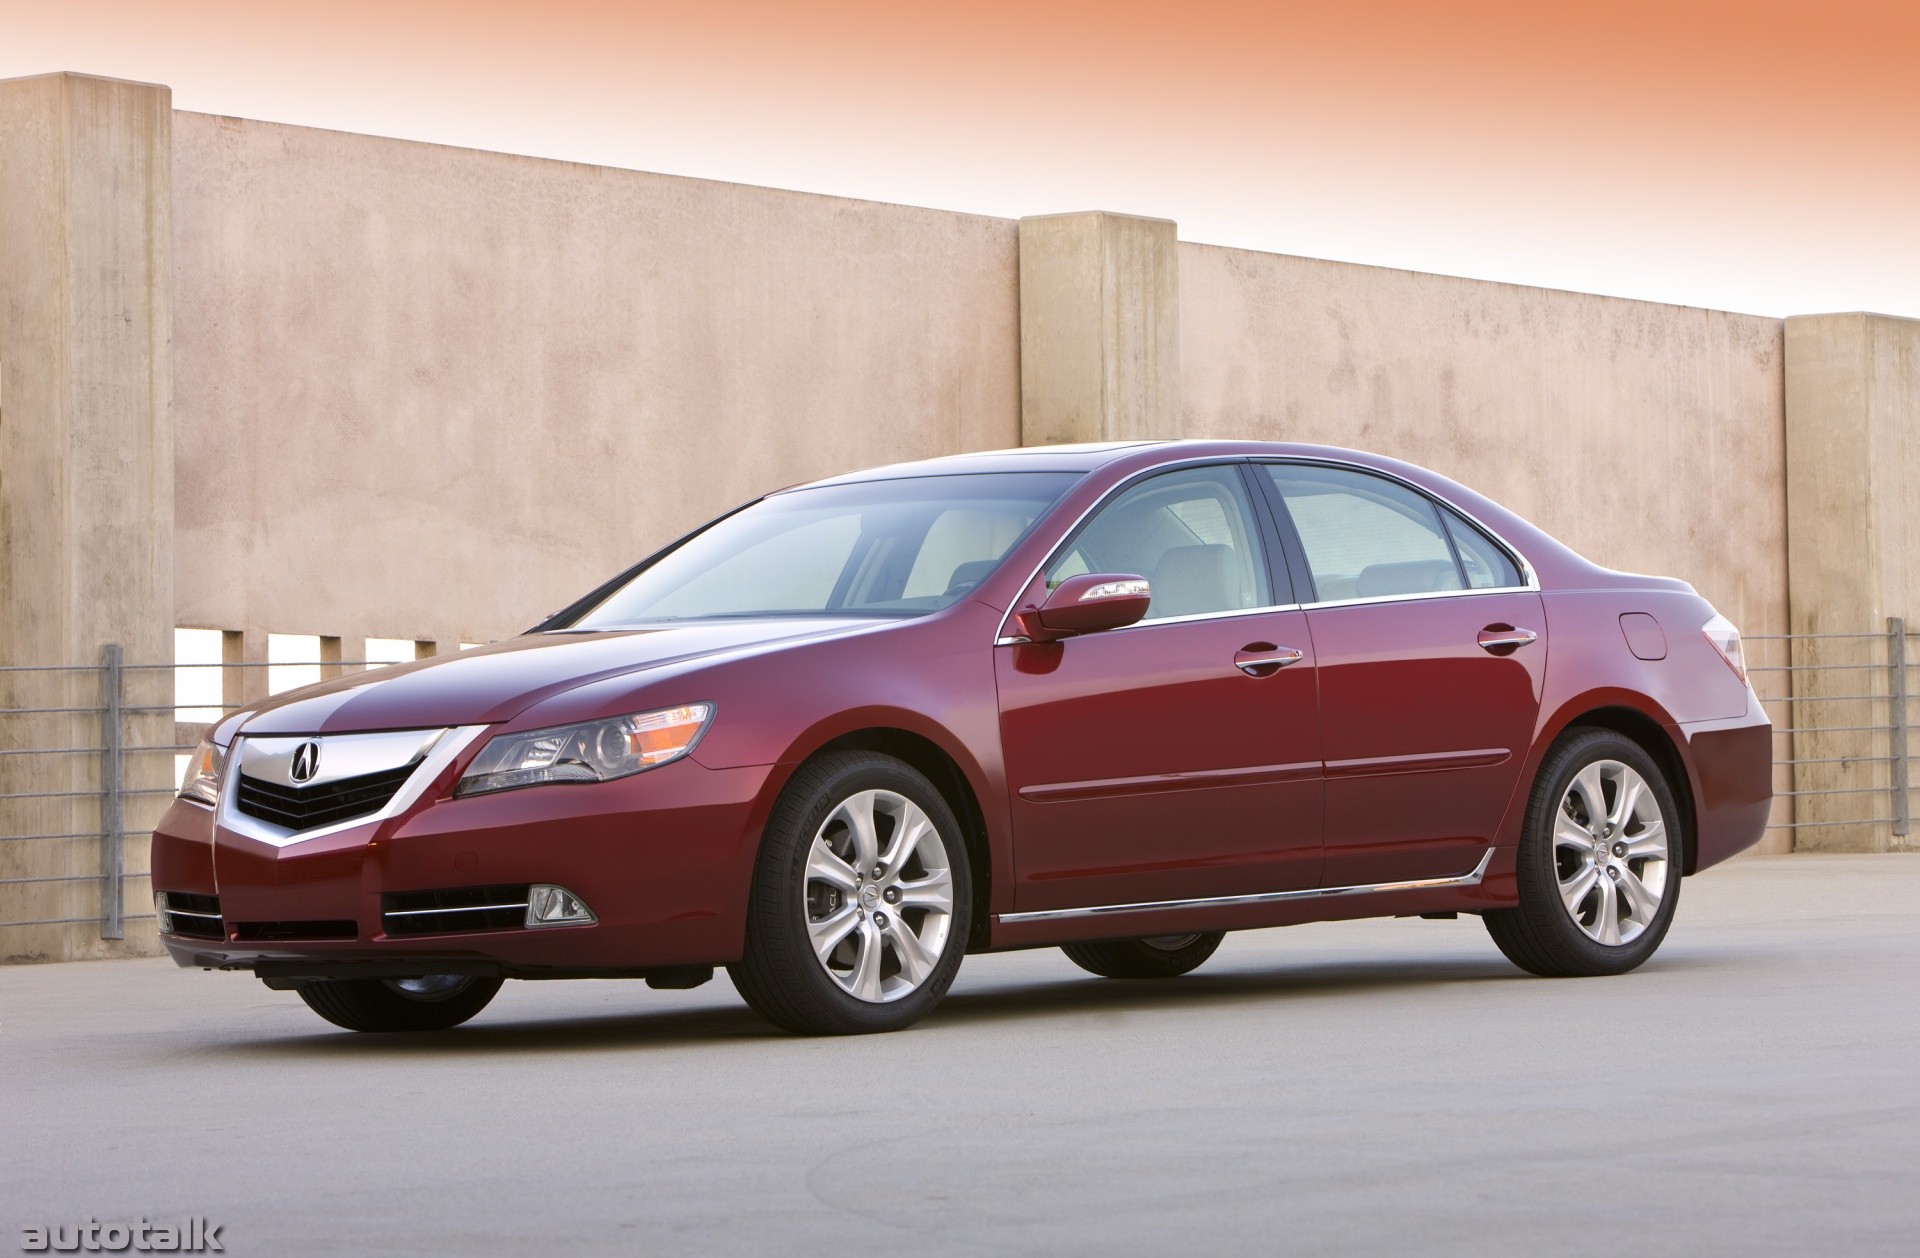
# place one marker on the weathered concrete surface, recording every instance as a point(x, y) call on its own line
point(433, 393)
point(1366, 1088)
point(1099, 328)
point(86, 475)
point(1853, 547)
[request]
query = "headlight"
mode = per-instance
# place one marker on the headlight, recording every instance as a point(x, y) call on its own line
point(596, 751)
point(201, 781)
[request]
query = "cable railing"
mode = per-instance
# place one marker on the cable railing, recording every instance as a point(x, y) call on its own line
point(90, 756)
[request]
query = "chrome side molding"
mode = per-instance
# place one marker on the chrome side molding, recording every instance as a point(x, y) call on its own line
point(1469, 879)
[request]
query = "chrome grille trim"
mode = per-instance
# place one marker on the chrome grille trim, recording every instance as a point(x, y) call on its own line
point(441, 747)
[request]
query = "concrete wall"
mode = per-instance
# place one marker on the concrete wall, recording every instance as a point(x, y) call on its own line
point(433, 393)
point(1649, 438)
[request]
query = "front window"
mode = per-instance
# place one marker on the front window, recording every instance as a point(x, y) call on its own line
point(891, 547)
point(1190, 533)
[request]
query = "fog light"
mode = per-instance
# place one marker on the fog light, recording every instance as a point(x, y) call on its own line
point(549, 905)
point(160, 912)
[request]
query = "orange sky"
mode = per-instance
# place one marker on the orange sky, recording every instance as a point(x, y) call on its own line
point(1754, 155)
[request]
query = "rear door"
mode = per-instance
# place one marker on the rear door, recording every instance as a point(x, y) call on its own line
point(1431, 649)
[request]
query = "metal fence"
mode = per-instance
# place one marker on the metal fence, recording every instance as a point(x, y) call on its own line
point(1839, 703)
point(89, 758)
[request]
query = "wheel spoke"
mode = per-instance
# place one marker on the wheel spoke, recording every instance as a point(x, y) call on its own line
point(1590, 786)
point(912, 826)
point(829, 931)
point(864, 982)
point(1651, 841)
point(1569, 833)
point(857, 812)
point(824, 865)
point(1642, 901)
point(1626, 798)
point(1606, 926)
point(1574, 890)
point(915, 961)
point(935, 891)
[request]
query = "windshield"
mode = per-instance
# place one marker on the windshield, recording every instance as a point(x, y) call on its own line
point(892, 547)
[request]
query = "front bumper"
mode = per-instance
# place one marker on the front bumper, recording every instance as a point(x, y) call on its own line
point(664, 858)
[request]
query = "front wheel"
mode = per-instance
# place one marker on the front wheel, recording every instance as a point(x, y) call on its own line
point(1156, 956)
point(861, 898)
point(1599, 863)
point(434, 1002)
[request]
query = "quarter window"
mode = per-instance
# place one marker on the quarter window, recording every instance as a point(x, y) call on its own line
point(1486, 565)
point(1190, 533)
point(1366, 537)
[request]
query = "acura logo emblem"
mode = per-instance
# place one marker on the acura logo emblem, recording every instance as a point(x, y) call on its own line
point(306, 763)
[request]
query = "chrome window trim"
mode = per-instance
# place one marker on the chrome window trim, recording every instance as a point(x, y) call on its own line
point(1409, 598)
point(1167, 620)
point(443, 752)
point(1530, 580)
point(1471, 878)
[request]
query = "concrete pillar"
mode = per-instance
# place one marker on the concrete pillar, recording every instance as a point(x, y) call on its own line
point(1099, 328)
point(86, 479)
point(1853, 560)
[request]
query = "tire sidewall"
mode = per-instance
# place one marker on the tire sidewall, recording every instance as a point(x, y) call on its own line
point(1538, 875)
point(790, 841)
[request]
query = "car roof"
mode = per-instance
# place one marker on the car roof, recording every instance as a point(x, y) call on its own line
point(1084, 457)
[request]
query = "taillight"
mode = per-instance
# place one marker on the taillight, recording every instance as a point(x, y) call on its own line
point(1726, 640)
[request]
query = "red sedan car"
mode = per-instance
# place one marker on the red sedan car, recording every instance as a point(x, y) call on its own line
point(1117, 698)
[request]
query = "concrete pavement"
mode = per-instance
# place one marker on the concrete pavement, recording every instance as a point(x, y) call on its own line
point(1345, 1088)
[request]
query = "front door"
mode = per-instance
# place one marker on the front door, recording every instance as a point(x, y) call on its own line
point(1177, 758)
point(1431, 652)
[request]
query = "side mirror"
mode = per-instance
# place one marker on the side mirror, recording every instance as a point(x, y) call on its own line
point(1087, 604)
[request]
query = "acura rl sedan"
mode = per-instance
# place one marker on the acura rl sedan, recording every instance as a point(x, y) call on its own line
point(1118, 699)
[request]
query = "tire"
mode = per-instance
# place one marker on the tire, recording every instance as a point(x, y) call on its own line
point(1584, 892)
point(434, 1003)
point(889, 948)
point(1157, 956)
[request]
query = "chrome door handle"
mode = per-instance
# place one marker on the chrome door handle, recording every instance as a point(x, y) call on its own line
point(1263, 659)
point(1504, 639)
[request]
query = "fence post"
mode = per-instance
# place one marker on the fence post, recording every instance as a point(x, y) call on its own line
point(112, 809)
point(1897, 722)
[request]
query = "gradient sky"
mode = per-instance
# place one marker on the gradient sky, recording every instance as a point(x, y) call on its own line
point(1753, 155)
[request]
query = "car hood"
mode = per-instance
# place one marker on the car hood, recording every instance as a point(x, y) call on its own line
point(495, 683)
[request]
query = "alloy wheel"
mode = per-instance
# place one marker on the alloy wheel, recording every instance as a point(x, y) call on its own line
point(878, 896)
point(1610, 852)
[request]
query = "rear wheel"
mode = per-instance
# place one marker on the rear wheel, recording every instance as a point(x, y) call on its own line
point(1599, 864)
point(860, 903)
point(1156, 956)
point(433, 1002)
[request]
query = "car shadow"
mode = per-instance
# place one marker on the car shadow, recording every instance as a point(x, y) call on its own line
point(1070, 996)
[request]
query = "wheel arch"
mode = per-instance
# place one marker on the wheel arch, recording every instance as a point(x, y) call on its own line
point(1651, 737)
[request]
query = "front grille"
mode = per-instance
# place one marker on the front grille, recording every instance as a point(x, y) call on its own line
point(258, 931)
point(310, 807)
point(195, 916)
point(455, 911)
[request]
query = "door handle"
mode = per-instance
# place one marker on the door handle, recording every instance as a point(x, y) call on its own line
point(1263, 659)
point(1504, 639)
